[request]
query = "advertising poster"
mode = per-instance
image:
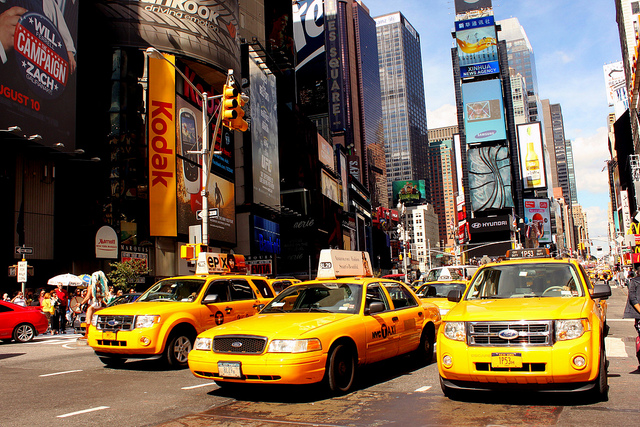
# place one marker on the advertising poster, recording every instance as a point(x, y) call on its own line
point(264, 133)
point(489, 178)
point(266, 236)
point(464, 6)
point(537, 213)
point(616, 85)
point(531, 156)
point(311, 70)
point(188, 169)
point(483, 111)
point(222, 196)
point(329, 187)
point(162, 148)
point(325, 153)
point(38, 70)
point(206, 30)
point(477, 47)
point(409, 192)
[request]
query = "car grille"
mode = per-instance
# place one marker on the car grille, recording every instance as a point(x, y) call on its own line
point(537, 333)
point(115, 323)
point(239, 344)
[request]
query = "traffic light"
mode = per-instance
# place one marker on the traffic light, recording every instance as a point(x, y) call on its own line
point(232, 112)
point(191, 251)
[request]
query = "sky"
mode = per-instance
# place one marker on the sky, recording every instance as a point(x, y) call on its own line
point(571, 41)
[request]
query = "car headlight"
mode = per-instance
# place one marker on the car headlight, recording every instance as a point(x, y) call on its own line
point(294, 346)
point(570, 329)
point(455, 331)
point(203, 343)
point(146, 321)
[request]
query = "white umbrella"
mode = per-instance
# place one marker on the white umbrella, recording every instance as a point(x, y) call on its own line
point(66, 280)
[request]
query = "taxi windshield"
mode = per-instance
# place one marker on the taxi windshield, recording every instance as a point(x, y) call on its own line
point(439, 290)
point(526, 281)
point(318, 297)
point(184, 290)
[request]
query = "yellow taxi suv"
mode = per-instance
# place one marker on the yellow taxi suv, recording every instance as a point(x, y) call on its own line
point(437, 293)
point(529, 322)
point(320, 330)
point(165, 320)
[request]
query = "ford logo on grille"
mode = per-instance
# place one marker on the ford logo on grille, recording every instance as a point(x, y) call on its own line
point(113, 323)
point(236, 344)
point(508, 334)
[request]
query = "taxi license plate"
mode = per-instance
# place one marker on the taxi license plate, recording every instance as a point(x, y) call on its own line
point(506, 360)
point(108, 335)
point(229, 369)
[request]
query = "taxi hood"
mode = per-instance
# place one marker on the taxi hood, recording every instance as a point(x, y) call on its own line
point(279, 325)
point(518, 309)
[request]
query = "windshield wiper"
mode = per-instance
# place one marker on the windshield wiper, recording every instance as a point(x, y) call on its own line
point(312, 309)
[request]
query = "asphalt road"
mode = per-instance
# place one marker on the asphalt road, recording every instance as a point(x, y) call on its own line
point(57, 381)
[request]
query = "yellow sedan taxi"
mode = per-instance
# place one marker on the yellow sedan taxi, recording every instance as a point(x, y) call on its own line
point(437, 292)
point(320, 330)
point(165, 320)
point(529, 322)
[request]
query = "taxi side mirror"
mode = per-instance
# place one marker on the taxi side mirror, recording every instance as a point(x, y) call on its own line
point(374, 307)
point(210, 299)
point(454, 295)
point(602, 291)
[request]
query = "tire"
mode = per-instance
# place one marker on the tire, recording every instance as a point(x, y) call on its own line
point(24, 332)
point(112, 361)
point(341, 369)
point(600, 390)
point(424, 352)
point(177, 349)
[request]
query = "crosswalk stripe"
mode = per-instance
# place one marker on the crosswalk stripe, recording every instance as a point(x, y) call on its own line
point(615, 347)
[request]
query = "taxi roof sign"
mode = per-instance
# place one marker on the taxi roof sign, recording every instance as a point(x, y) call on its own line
point(216, 263)
point(528, 253)
point(336, 263)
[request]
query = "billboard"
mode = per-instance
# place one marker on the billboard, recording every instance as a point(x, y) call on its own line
point(615, 82)
point(489, 178)
point(409, 192)
point(38, 62)
point(206, 30)
point(483, 111)
point(464, 6)
point(266, 236)
point(537, 212)
point(264, 132)
point(162, 148)
point(334, 67)
point(531, 156)
point(329, 187)
point(477, 47)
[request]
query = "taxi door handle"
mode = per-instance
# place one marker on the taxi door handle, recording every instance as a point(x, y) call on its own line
point(228, 309)
point(394, 318)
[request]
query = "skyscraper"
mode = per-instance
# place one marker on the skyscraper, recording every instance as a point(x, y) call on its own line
point(403, 103)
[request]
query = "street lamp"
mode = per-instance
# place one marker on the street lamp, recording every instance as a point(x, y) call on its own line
point(204, 152)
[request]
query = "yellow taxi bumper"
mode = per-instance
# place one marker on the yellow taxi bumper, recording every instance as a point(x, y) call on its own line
point(272, 368)
point(143, 342)
point(571, 361)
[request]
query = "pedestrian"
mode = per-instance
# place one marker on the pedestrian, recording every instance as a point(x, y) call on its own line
point(5, 297)
point(96, 297)
point(41, 296)
point(112, 294)
point(63, 299)
point(632, 310)
point(47, 308)
point(54, 317)
point(18, 299)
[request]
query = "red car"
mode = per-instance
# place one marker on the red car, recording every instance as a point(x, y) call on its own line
point(21, 323)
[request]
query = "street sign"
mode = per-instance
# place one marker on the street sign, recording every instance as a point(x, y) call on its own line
point(212, 213)
point(22, 271)
point(25, 250)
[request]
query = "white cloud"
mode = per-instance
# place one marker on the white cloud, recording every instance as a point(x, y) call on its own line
point(589, 156)
point(445, 115)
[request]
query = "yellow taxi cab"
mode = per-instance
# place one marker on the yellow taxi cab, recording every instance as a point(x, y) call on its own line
point(529, 322)
point(279, 284)
point(320, 330)
point(437, 292)
point(165, 320)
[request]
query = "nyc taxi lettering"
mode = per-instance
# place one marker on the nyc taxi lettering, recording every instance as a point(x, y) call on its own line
point(384, 331)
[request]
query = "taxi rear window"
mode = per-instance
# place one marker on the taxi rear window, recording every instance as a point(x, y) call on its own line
point(526, 281)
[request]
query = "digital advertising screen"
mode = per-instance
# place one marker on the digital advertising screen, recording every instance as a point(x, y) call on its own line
point(483, 111)
point(531, 156)
point(536, 211)
point(477, 47)
point(411, 192)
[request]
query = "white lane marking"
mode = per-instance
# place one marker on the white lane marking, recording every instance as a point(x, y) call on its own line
point(615, 347)
point(197, 386)
point(424, 388)
point(70, 414)
point(620, 320)
point(61, 373)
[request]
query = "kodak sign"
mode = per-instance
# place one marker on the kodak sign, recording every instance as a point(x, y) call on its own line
point(162, 147)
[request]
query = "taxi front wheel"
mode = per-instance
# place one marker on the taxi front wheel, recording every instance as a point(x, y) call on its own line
point(341, 369)
point(177, 350)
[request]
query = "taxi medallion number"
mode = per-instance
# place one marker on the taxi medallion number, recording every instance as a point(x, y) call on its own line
point(229, 369)
point(108, 335)
point(506, 360)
